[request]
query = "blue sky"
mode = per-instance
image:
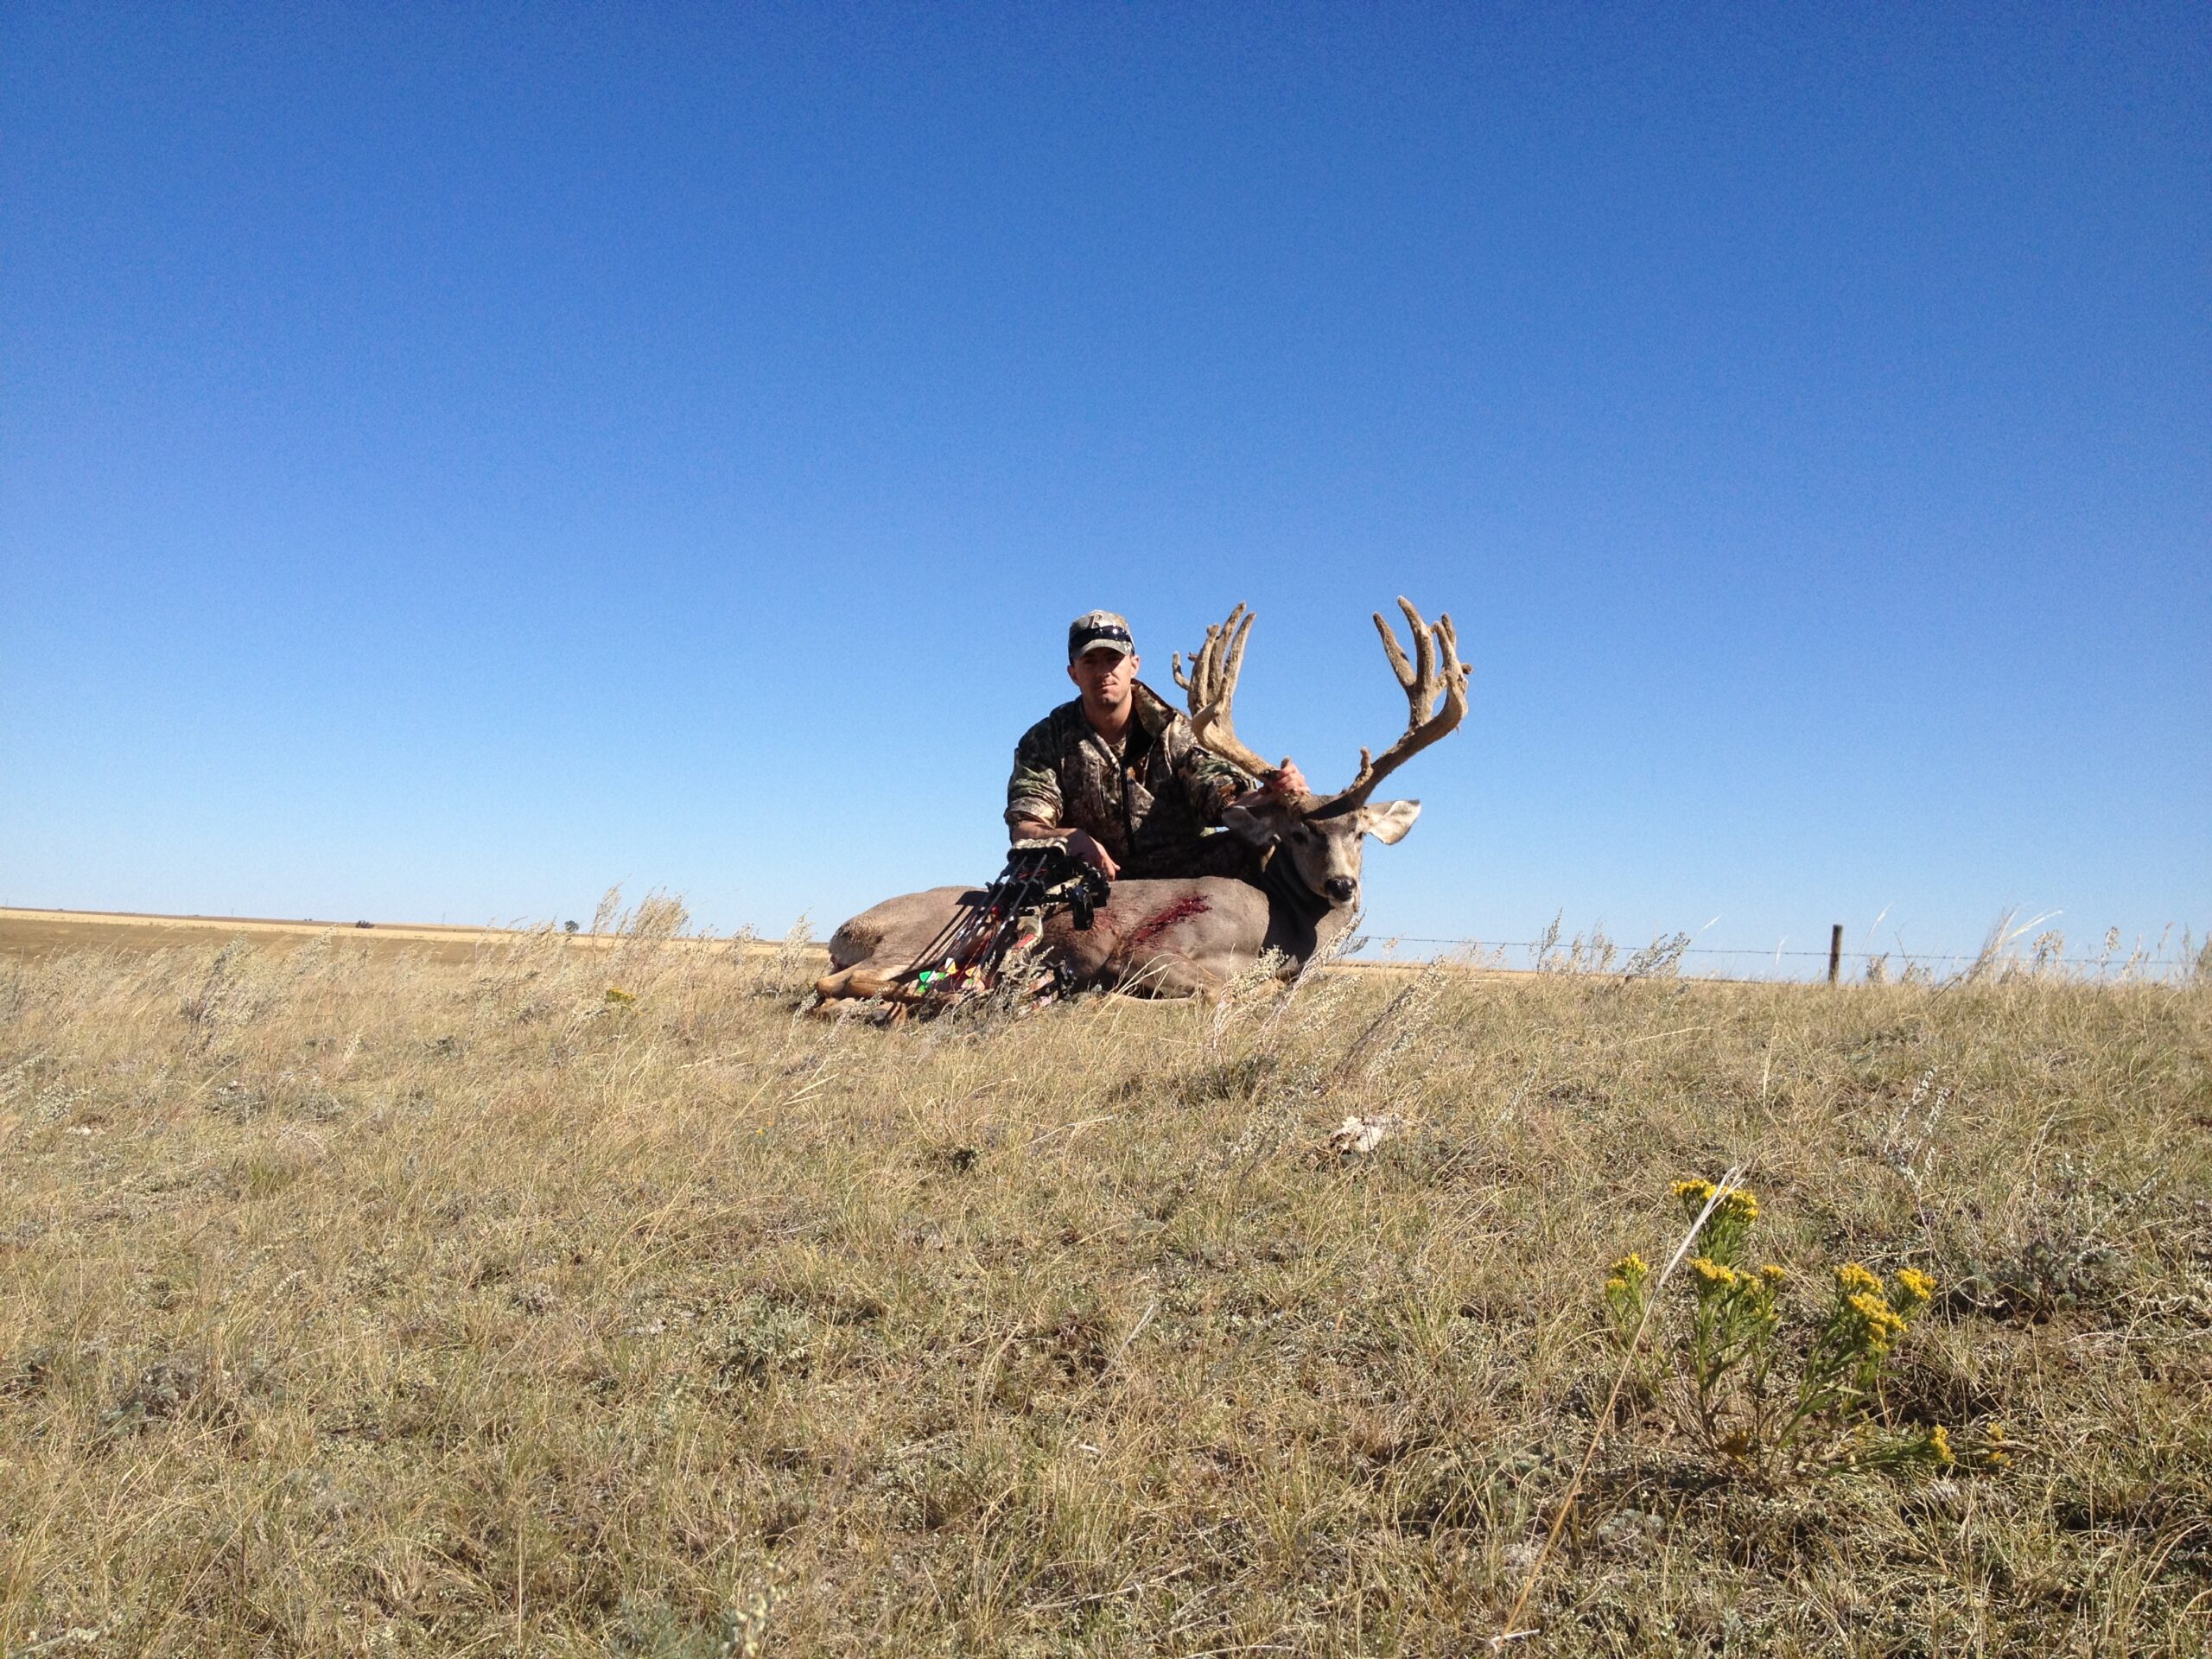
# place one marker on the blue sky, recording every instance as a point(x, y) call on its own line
point(455, 459)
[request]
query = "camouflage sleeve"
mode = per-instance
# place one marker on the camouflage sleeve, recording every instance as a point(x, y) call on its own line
point(1210, 783)
point(1034, 791)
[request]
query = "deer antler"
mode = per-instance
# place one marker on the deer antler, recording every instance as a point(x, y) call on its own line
point(1434, 671)
point(1212, 684)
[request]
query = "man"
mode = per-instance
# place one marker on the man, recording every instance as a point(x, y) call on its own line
point(1118, 776)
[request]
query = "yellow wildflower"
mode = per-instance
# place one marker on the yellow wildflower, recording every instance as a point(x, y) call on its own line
point(1772, 1273)
point(1852, 1280)
point(1742, 1204)
point(1877, 1326)
point(1993, 1453)
point(616, 994)
point(1915, 1290)
point(1694, 1193)
point(1626, 1284)
point(1939, 1442)
point(1713, 1278)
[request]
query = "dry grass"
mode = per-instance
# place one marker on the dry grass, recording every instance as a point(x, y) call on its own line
point(355, 1301)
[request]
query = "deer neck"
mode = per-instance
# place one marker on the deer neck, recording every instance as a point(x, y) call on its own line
point(1299, 920)
point(1333, 927)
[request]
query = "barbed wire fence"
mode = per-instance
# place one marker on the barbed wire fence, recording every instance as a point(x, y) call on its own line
point(1595, 954)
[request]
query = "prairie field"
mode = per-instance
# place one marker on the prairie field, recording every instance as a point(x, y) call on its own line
point(551, 1299)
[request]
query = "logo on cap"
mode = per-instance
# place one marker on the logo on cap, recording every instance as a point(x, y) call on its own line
point(1097, 628)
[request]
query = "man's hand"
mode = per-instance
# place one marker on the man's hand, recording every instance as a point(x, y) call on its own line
point(1284, 787)
point(1080, 843)
point(1084, 846)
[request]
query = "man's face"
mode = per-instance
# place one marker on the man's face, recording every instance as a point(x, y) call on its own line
point(1105, 678)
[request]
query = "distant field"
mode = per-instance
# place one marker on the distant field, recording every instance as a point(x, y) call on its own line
point(40, 932)
point(382, 1295)
point(37, 932)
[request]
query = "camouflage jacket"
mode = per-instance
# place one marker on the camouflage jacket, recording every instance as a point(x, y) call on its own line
point(1149, 805)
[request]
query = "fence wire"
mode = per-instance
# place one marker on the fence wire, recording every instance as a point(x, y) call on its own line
point(1561, 956)
point(1746, 950)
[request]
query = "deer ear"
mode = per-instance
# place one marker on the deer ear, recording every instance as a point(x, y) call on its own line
point(1249, 826)
point(1389, 823)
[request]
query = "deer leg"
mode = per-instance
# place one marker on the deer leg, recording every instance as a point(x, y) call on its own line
point(858, 980)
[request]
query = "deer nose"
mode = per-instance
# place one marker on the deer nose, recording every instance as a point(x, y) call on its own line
point(1340, 889)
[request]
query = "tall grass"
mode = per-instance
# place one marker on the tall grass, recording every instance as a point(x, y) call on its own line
point(354, 1302)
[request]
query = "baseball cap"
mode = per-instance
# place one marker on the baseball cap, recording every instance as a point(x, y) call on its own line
point(1104, 628)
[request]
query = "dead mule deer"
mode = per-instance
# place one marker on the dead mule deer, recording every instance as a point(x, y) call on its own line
point(1181, 937)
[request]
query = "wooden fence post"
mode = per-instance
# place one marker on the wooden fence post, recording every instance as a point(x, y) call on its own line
point(1836, 951)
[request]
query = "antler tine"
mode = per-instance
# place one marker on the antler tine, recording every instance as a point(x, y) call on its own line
point(1204, 662)
point(1197, 670)
point(1424, 651)
point(1434, 672)
point(1211, 685)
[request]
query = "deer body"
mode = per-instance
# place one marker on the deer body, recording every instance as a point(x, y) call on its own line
point(1161, 937)
point(1185, 937)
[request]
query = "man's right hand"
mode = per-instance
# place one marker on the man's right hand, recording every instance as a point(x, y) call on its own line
point(1081, 842)
point(1084, 846)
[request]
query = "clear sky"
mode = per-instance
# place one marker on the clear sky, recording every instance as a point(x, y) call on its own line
point(453, 459)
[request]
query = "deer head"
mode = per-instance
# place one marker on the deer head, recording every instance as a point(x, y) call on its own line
point(1323, 836)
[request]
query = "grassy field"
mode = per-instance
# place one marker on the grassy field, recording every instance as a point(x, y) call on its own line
point(354, 1300)
point(47, 932)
